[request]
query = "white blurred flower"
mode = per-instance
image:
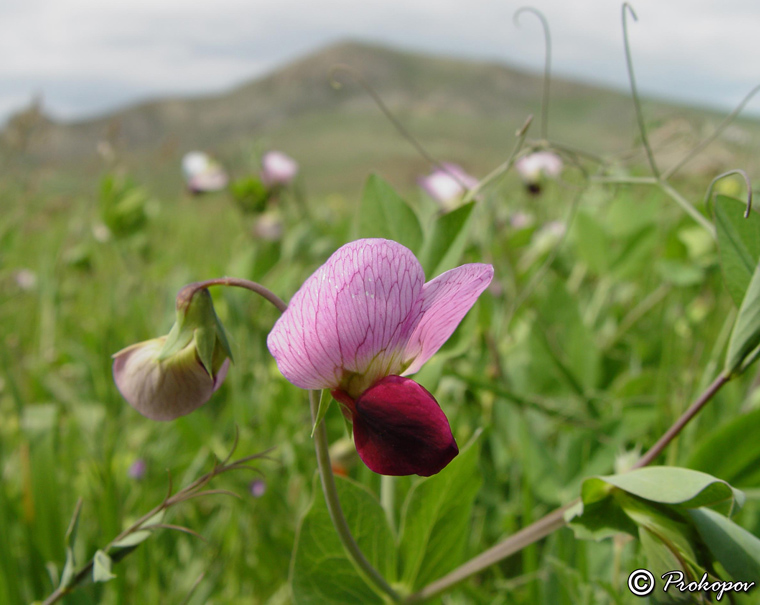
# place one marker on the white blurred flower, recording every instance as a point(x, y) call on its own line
point(268, 226)
point(277, 169)
point(101, 233)
point(521, 220)
point(555, 229)
point(447, 186)
point(202, 173)
point(26, 279)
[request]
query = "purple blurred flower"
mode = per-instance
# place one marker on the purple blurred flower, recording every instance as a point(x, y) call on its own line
point(202, 173)
point(137, 469)
point(257, 487)
point(360, 322)
point(447, 186)
point(277, 169)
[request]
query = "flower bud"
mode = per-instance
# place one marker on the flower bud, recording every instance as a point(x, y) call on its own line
point(168, 377)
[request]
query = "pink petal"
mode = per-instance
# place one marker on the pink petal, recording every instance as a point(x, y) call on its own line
point(400, 429)
point(445, 301)
point(353, 316)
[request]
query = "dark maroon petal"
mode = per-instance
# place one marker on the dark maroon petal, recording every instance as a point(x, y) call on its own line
point(400, 429)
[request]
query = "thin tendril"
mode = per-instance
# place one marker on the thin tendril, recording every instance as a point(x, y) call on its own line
point(709, 139)
point(634, 91)
point(357, 76)
point(547, 64)
point(708, 195)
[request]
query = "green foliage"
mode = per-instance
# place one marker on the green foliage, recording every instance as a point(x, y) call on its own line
point(383, 213)
point(250, 194)
point(123, 206)
point(445, 244)
point(731, 451)
point(435, 522)
point(321, 572)
point(574, 358)
point(739, 244)
point(664, 507)
point(737, 550)
point(745, 336)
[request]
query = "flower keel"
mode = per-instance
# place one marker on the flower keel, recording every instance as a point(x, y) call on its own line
point(399, 428)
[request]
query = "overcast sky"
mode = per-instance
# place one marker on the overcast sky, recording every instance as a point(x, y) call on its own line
point(90, 56)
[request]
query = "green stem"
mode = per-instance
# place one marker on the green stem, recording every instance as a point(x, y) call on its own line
point(679, 424)
point(547, 64)
point(388, 498)
point(668, 190)
point(336, 512)
point(516, 542)
point(555, 519)
point(634, 91)
point(497, 172)
point(688, 208)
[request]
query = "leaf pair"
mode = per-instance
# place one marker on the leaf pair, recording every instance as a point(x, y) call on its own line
point(665, 508)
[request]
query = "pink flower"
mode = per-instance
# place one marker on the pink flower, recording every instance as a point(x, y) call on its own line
point(277, 169)
point(361, 322)
point(534, 167)
point(447, 187)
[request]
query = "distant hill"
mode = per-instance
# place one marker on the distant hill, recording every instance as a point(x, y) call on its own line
point(462, 111)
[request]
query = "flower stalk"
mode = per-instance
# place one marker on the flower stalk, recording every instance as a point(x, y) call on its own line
point(336, 512)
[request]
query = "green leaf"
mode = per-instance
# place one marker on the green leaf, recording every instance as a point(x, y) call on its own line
point(665, 485)
point(68, 568)
point(591, 242)
point(599, 520)
point(732, 452)
point(325, 399)
point(445, 244)
point(69, 540)
point(435, 519)
point(101, 567)
point(745, 337)
point(141, 535)
point(738, 244)
point(737, 550)
point(321, 573)
point(384, 214)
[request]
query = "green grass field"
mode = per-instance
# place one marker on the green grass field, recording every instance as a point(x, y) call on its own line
point(585, 348)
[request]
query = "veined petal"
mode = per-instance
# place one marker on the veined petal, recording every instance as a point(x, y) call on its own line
point(168, 389)
point(445, 301)
point(352, 317)
point(400, 429)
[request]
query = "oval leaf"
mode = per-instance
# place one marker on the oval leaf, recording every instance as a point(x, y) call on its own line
point(101, 567)
point(732, 452)
point(321, 573)
point(738, 244)
point(384, 214)
point(745, 337)
point(666, 485)
point(736, 549)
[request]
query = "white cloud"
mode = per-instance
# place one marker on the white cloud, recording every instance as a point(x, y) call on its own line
point(696, 50)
